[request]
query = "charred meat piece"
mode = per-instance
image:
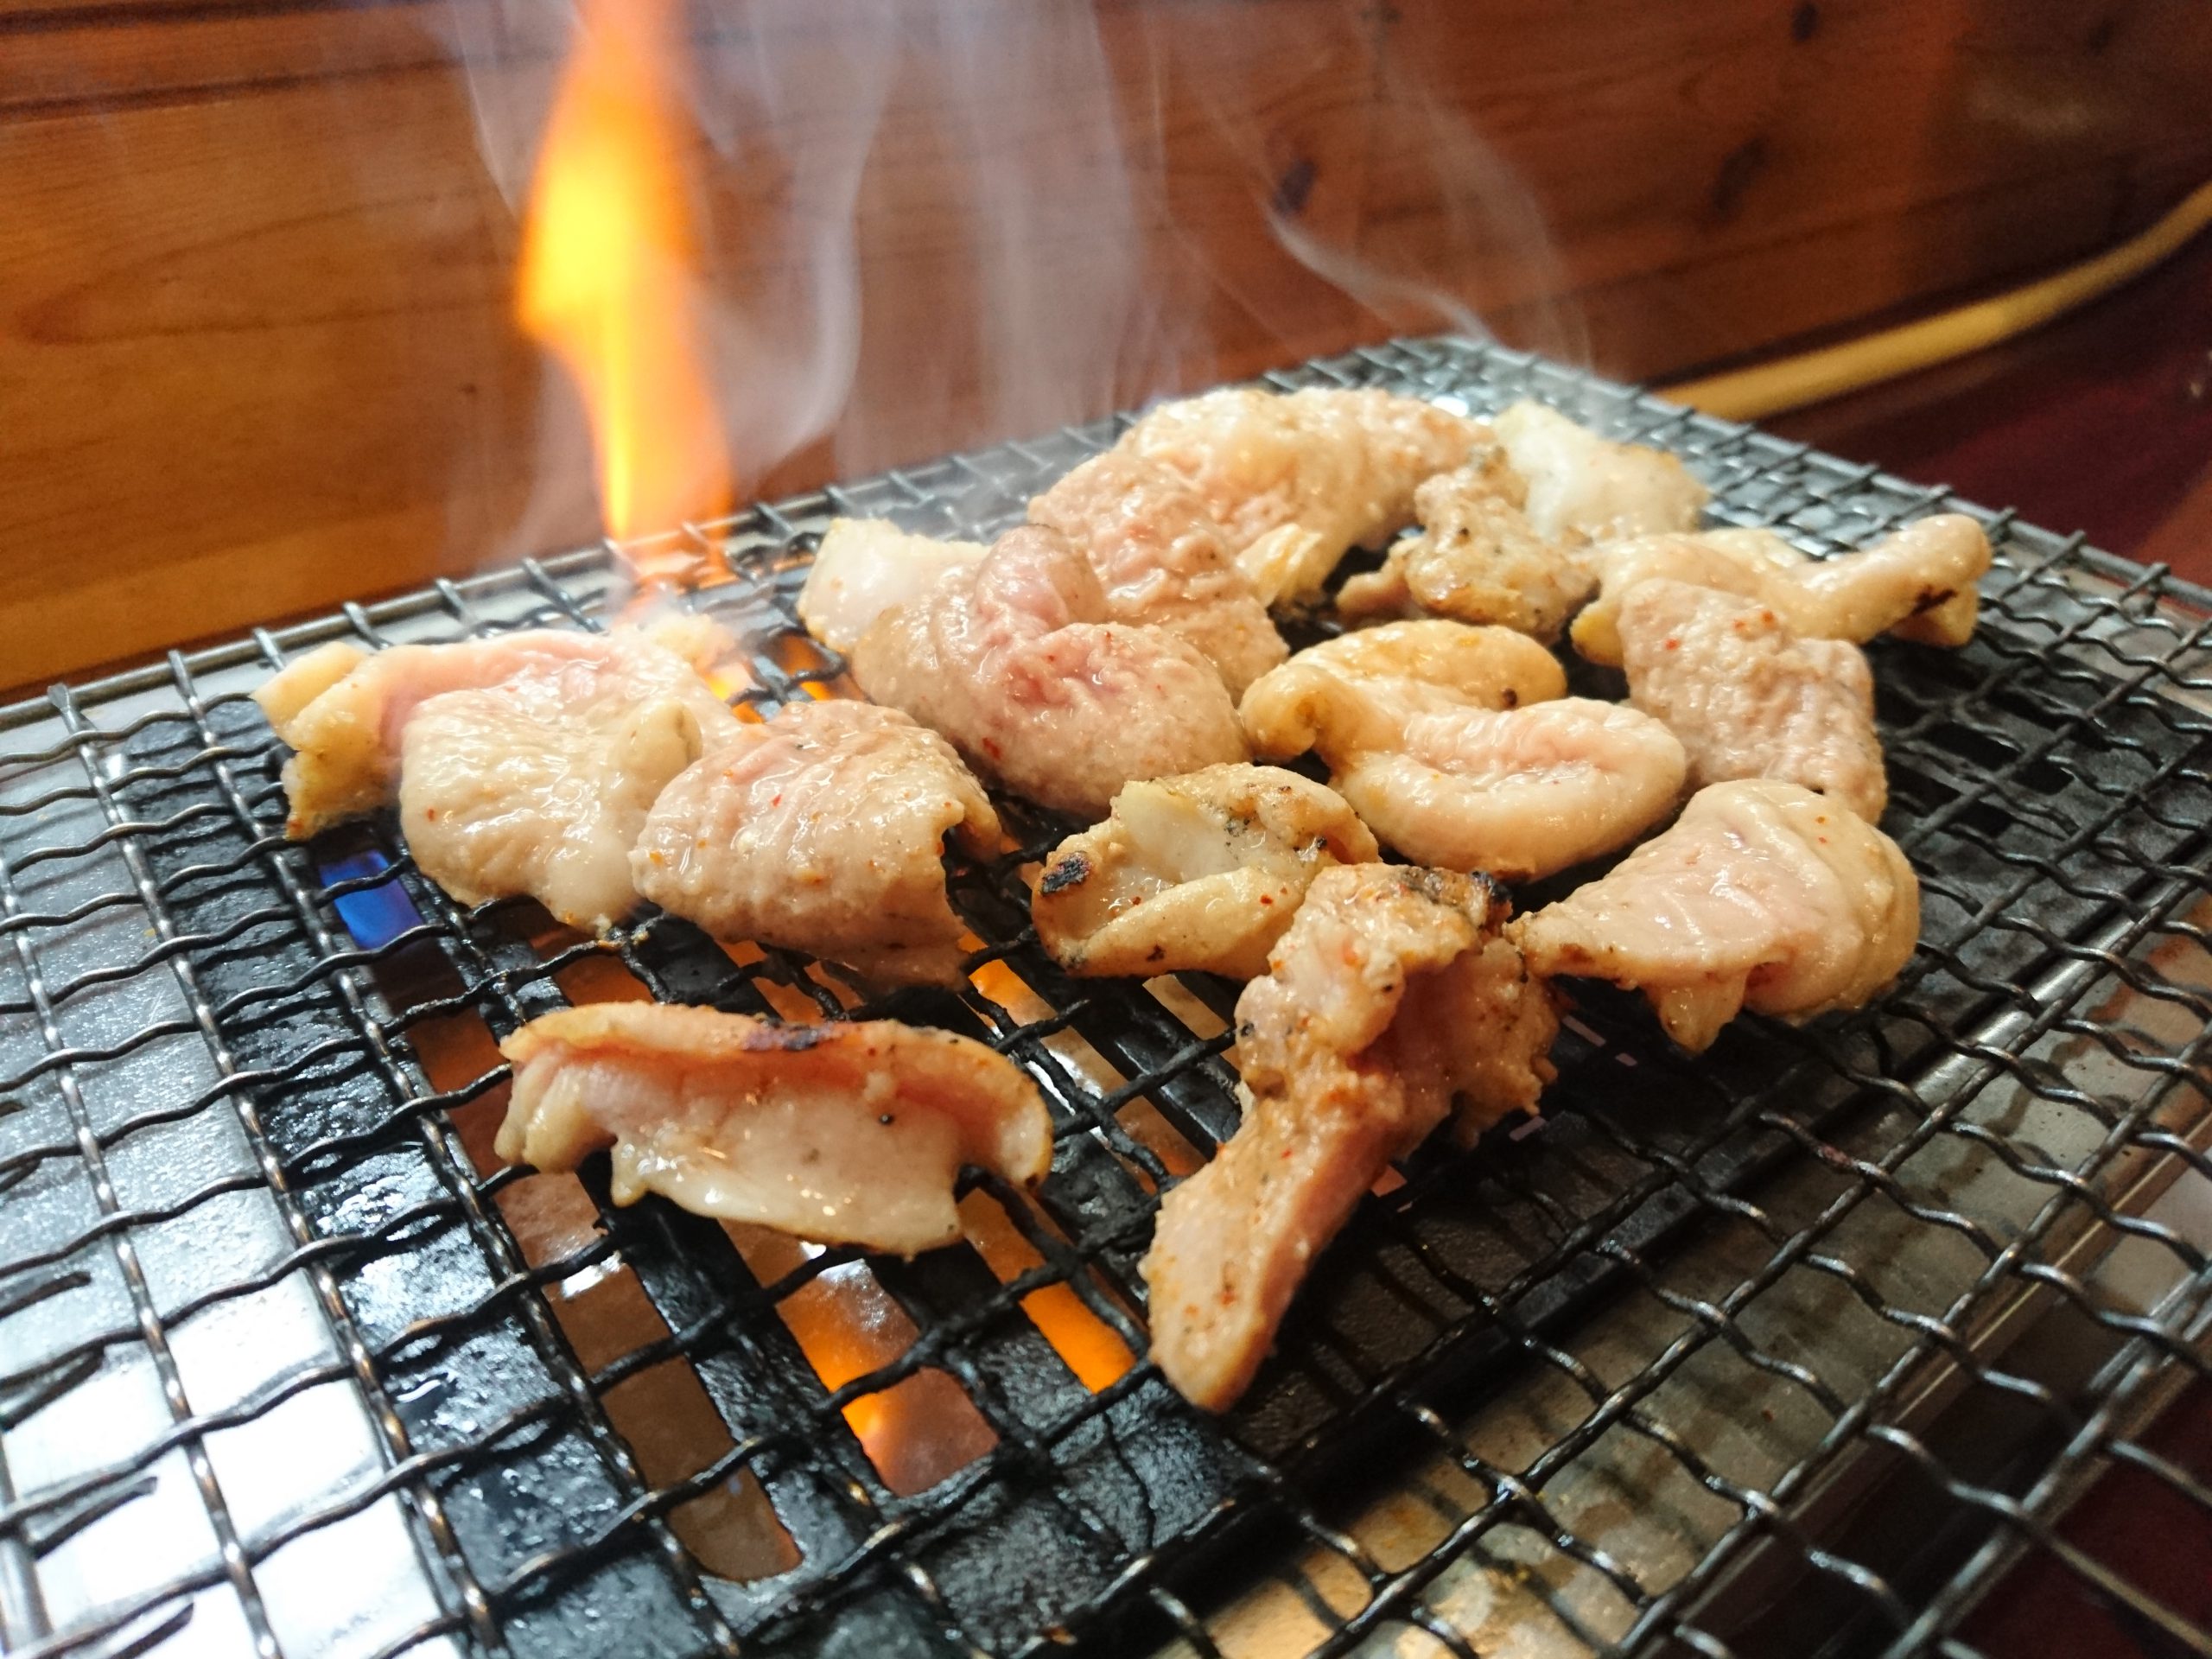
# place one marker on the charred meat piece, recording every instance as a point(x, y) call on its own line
point(1918, 583)
point(1762, 895)
point(1295, 480)
point(866, 566)
point(1453, 746)
point(822, 831)
point(1201, 873)
point(524, 764)
point(1477, 559)
point(1013, 660)
point(843, 1134)
point(1585, 488)
point(1748, 698)
point(1391, 998)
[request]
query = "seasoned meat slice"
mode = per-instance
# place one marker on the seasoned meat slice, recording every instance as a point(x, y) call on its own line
point(524, 763)
point(1013, 660)
point(1162, 560)
point(822, 831)
point(1748, 698)
point(1762, 895)
point(1918, 583)
point(1477, 559)
point(1585, 488)
point(844, 1133)
point(1391, 998)
point(866, 566)
point(1454, 745)
point(1296, 480)
point(1201, 873)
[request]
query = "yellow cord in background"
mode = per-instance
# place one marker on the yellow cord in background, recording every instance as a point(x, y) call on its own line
point(1747, 394)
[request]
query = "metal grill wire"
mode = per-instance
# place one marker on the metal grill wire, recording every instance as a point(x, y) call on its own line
point(236, 1194)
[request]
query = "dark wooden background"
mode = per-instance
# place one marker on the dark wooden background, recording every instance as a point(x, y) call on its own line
point(255, 272)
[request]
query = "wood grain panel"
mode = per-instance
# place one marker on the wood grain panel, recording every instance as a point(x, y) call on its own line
point(254, 270)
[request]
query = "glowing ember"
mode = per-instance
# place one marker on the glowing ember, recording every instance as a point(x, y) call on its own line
point(609, 270)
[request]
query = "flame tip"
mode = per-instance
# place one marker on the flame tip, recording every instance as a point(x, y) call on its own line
point(609, 281)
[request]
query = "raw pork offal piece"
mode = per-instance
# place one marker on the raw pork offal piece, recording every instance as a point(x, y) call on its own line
point(1391, 999)
point(842, 1134)
point(1585, 488)
point(1454, 745)
point(1015, 661)
point(1163, 560)
point(1749, 699)
point(1198, 873)
point(1296, 480)
point(822, 831)
point(1762, 895)
point(864, 568)
point(1918, 583)
point(1477, 559)
point(523, 763)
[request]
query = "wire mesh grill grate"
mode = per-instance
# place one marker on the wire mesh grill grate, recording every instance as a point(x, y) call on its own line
point(1797, 1347)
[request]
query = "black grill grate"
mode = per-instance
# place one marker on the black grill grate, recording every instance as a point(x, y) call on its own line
point(1797, 1347)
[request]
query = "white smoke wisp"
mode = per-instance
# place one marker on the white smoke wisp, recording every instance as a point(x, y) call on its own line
point(925, 220)
point(1374, 180)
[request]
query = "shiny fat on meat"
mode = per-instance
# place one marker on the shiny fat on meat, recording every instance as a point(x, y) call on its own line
point(1454, 745)
point(822, 831)
point(1585, 488)
point(1297, 479)
point(1015, 661)
point(524, 763)
point(866, 566)
point(1762, 895)
point(843, 1134)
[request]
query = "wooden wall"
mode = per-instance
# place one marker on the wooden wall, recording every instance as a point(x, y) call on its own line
point(255, 353)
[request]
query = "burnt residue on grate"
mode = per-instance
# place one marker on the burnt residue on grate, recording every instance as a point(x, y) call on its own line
point(378, 1393)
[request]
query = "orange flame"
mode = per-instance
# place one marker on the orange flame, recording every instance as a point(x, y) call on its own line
point(608, 280)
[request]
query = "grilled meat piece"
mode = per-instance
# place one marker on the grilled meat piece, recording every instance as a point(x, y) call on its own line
point(822, 831)
point(1201, 873)
point(1357, 691)
point(1013, 660)
point(524, 763)
point(1391, 997)
point(866, 566)
point(1454, 745)
point(1518, 794)
point(1585, 488)
point(1762, 895)
point(844, 1133)
point(1477, 559)
point(1918, 583)
point(1749, 699)
point(1163, 560)
point(1296, 480)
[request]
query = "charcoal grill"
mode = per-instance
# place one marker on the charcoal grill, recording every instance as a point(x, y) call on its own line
point(1800, 1346)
